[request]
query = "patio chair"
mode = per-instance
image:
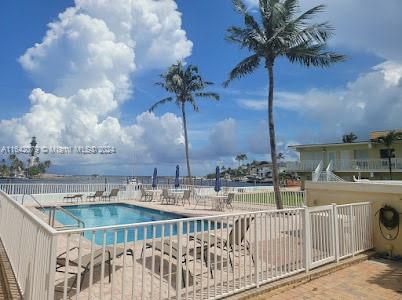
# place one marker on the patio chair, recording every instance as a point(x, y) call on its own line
point(87, 263)
point(146, 196)
point(234, 241)
point(186, 197)
point(230, 200)
point(167, 197)
point(113, 194)
point(97, 195)
point(199, 198)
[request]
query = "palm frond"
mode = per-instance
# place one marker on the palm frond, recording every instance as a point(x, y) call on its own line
point(313, 55)
point(211, 95)
point(245, 67)
point(163, 101)
point(239, 6)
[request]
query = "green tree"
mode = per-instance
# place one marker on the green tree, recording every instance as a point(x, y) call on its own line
point(279, 32)
point(388, 140)
point(349, 138)
point(240, 158)
point(186, 84)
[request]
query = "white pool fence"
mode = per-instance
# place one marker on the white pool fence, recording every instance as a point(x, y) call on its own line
point(191, 258)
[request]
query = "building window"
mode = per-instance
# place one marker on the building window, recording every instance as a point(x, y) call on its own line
point(384, 153)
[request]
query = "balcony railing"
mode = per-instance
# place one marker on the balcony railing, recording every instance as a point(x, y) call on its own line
point(302, 166)
point(349, 165)
point(367, 165)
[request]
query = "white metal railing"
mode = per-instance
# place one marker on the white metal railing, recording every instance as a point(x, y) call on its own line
point(266, 200)
point(302, 166)
point(31, 248)
point(192, 258)
point(61, 188)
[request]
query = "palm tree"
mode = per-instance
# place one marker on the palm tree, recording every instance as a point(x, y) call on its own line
point(388, 140)
point(349, 138)
point(279, 32)
point(186, 84)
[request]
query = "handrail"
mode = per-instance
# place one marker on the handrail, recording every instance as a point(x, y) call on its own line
point(70, 215)
point(37, 202)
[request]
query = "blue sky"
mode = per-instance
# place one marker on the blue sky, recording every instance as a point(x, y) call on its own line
point(313, 105)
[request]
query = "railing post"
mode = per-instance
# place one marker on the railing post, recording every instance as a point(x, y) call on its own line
point(179, 260)
point(307, 239)
point(52, 268)
point(352, 230)
point(256, 260)
point(335, 231)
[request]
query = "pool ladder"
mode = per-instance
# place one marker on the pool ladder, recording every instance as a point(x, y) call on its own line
point(52, 213)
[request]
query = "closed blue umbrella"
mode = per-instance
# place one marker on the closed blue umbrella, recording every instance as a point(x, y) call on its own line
point(155, 178)
point(217, 187)
point(176, 180)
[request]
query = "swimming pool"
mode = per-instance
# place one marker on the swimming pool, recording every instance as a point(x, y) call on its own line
point(98, 215)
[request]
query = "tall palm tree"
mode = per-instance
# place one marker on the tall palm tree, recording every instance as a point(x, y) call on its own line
point(279, 32)
point(388, 140)
point(186, 84)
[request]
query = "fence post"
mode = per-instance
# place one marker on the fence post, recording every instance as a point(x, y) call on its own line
point(179, 261)
point(335, 231)
point(307, 239)
point(257, 277)
point(52, 268)
point(352, 230)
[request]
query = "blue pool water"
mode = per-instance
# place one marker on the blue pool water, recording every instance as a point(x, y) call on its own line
point(97, 215)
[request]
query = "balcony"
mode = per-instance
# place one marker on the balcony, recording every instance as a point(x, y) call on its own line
point(348, 165)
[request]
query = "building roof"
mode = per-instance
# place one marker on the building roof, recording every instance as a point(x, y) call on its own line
point(329, 145)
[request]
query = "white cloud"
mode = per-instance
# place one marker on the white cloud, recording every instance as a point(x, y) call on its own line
point(222, 141)
point(370, 26)
point(84, 67)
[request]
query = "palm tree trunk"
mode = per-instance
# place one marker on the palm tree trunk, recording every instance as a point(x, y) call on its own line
point(186, 142)
point(271, 126)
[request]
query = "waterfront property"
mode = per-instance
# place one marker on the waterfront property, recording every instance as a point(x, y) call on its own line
point(367, 159)
point(182, 250)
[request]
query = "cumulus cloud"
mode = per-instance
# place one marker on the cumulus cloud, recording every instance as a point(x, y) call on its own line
point(372, 102)
point(84, 66)
point(221, 141)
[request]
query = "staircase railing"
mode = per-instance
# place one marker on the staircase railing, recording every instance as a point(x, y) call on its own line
point(317, 172)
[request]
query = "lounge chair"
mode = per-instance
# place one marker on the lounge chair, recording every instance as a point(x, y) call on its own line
point(113, 194)
point(73, 197)
point(87, 262)
point(97, 195)
point(234, 241)
point(194, 251)
point(146, 196)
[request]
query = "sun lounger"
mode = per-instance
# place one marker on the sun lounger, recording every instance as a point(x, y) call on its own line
point(171, 250)
point(87, 262)
point(71, 198)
